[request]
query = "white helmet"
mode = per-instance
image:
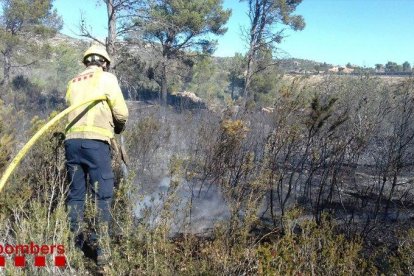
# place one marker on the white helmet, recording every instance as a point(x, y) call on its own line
point(96, 52)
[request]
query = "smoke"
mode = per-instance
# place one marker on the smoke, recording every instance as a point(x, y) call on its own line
point(194, 208)
point(190, 207)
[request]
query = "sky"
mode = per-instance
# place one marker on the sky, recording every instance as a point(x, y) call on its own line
point(361, 32)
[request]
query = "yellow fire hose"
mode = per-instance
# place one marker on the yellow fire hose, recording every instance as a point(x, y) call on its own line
point(16, 160)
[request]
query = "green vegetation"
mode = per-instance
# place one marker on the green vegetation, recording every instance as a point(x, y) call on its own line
point(265, 33)
point(6, 136)
point(22, 23)
point(281, 185)
point(175, 28)
point(314, 175)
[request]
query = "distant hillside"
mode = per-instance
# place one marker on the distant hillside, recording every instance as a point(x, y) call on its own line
point(286, 65)
point(60, 39)
point(300, 65)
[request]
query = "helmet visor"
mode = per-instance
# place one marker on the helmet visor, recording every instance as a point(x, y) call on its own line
point(94, 57)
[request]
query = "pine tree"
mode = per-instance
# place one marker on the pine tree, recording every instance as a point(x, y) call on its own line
point(23, 23)
point(177, 28)
point(268, 20)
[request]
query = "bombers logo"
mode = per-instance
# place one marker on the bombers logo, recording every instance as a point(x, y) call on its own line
point(39, 253)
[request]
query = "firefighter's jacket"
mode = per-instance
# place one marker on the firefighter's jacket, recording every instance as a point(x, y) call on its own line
point(97, 120)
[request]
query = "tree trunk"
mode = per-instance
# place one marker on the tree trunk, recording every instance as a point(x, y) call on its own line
point(110, 42)
point(164, 84)
point(232, 87)
point(247, 79)
point(6, 67)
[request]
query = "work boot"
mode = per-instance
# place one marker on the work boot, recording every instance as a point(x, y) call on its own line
point(79, 244)
point(101, 258)
point(79, 241)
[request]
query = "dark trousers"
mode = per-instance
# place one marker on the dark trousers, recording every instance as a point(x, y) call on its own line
point(86, 157)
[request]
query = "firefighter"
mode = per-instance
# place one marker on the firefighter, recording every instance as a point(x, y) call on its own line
point(87, 143)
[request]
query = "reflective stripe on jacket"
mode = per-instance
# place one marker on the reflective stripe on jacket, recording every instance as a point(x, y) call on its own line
point(98, 119)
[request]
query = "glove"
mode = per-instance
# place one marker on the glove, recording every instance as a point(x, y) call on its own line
point(119, 127)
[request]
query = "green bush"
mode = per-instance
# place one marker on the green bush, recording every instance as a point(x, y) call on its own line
point(311, 249)
point(6, 135)
point(402, 262)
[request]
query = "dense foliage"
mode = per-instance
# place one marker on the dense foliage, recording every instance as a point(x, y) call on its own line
point(22, 24)
point(314, 176)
